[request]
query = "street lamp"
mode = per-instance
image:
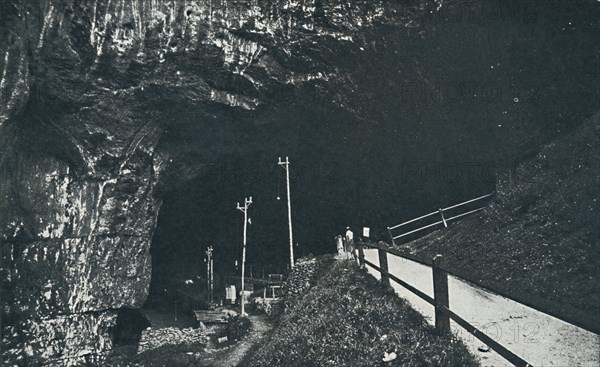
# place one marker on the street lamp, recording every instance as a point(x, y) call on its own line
point(286, 166)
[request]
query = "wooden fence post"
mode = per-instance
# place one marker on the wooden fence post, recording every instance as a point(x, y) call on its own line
point(443, 218)
point(391, 236)
point(383, 265)
point(440, 296)
point(361, 255)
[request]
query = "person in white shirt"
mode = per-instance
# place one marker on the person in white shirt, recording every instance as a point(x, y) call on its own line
point(349, 240)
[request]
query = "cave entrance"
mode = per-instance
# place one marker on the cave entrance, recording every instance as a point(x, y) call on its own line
point(129, 327)
point(185, 228)
point(198, 214)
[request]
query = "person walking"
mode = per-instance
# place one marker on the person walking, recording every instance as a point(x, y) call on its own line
point(349, 240)
point(339, 244)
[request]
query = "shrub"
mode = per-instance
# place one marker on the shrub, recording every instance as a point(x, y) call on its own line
point(350, 319)
point(237, 328)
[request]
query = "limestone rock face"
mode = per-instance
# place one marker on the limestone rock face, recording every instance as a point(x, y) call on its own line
point(98, 96)
point(74, 250)
point(87, 88)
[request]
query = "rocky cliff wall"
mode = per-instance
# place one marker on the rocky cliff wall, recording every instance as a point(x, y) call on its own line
point(75, 249)
point(97, 96)
point(86, 90)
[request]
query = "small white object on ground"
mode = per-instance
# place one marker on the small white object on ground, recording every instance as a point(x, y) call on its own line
point(388, 357)
point(483, 348)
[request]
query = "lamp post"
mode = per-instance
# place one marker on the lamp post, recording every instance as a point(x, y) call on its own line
point(286, 166)
point(244, 209)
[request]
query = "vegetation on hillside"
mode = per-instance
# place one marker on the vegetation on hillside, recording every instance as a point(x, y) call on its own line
point(540, 239)
point(350, 319)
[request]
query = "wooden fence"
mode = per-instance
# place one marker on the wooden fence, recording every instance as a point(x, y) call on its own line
point(443, 313)
point(443, 220)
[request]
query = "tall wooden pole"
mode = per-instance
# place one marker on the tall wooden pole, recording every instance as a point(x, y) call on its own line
point(209, 274)
point(207, 261)
point(286, 166)
point(244, 209)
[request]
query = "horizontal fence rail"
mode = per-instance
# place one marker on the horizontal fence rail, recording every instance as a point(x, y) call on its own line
point(422, 295)
point(440, 212)
point(384, 247)
point(443, 313)
point(499, 348)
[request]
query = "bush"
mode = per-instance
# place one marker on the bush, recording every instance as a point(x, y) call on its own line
point(237, 328)
point(350, 319)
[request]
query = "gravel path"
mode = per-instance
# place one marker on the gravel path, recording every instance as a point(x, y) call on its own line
point(540, 339)
point(233, 355)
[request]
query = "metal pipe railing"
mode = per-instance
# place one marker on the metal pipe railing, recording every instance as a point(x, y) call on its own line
point(468, 201)
point(463, 214)
point(419, 229)
point(441, 212)
point(414, 220)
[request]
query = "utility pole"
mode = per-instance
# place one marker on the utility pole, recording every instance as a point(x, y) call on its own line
point(209, 274)
point(244, 209)
point(286, 166)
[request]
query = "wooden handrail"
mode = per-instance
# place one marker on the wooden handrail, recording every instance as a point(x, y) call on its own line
point(444, 312)
point(422, 261)
point(421, 295)
point(497, 347)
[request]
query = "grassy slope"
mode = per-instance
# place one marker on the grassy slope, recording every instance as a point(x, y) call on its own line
point(343, 321)
point(540, 239)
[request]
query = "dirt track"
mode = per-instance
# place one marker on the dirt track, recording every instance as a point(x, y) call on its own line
point(232, 356)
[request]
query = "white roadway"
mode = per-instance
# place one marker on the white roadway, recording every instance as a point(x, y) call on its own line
point(539, 339)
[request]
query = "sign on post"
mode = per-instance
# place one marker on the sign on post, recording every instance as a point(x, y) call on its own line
point(366, 231)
